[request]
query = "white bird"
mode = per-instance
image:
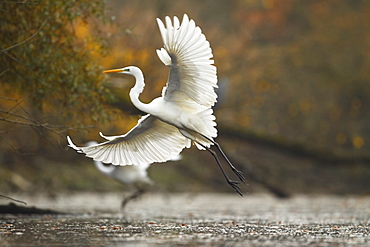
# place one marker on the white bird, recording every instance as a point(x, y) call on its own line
point(135, 175)
point(181, 116)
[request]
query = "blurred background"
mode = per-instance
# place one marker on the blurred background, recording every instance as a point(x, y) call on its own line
point(294, 98)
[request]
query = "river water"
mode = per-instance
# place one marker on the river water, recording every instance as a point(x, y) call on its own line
point(95, 219)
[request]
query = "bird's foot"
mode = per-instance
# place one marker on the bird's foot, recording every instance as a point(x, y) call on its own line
point(240, 175)
point(236, 187)
point(124, 203)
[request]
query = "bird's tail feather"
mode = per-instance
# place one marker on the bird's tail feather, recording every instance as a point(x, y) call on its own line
point(211, 132)
point(209, 121)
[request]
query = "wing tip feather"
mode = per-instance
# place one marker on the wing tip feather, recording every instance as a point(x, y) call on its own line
point(72, 145)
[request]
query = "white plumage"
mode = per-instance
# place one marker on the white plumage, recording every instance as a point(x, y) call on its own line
point(181, 116)
point(134, 175)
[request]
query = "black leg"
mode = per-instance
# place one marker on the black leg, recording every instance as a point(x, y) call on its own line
point(236, 171)
point(136, 194)
point(232, 183)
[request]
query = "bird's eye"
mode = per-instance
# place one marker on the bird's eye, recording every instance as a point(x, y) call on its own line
point(127, 70)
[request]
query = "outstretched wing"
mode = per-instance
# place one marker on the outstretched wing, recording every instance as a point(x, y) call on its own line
point(151, 140)
point(186, 51)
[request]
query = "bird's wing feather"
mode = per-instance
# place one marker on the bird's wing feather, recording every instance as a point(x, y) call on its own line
point(151, 140)
point(186, 51)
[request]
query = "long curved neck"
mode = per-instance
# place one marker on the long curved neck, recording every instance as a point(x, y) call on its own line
point(137, 90)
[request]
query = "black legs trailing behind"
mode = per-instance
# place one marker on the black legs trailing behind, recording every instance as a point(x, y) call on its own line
point(136, 194)
point(233, 184)
point(236, 171)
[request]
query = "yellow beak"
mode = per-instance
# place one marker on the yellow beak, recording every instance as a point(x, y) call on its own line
point(112, 71)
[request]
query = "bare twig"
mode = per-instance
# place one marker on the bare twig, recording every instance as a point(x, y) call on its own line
point(19, 116)
point(14, 58)
point(21, 2)
point(26, 121)
point(4, 71)
point(7, 98)
point(57, 129)
point(12, 199)
point(26, 40)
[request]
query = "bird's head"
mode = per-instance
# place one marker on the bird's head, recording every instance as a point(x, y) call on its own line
point(130, 70)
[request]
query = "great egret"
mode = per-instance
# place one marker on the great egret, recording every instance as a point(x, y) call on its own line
point(181, 116)
point(135, 175)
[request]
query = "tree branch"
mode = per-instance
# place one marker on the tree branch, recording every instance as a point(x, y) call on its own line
point(26, 40)
point(291, 147)
point(12, 199)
